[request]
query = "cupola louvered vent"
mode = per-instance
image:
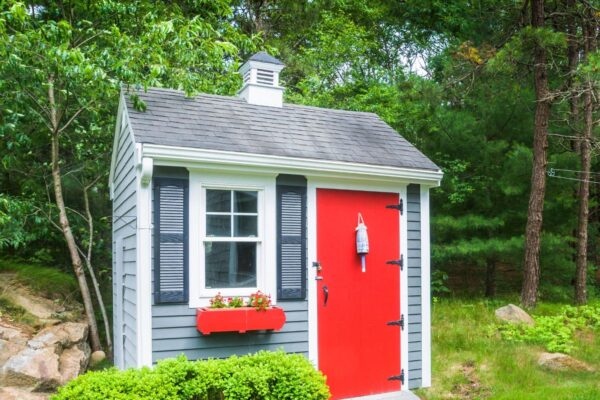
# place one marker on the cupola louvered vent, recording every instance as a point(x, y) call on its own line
point(261, 80)
point(265, 77)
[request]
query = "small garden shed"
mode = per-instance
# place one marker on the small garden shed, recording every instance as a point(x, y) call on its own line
point(231, 195)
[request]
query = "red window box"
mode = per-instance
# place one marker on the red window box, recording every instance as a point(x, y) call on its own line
point(242, 319)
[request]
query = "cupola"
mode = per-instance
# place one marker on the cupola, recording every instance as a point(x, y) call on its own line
point(261, 80)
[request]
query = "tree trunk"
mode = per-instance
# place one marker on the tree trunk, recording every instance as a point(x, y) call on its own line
point(88, 263)
point(589, 31)
point(490, 279)
point(533, 231)
point(65, 226)
point(573, 57)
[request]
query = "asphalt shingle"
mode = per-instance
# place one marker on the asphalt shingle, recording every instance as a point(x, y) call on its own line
point(231, 124)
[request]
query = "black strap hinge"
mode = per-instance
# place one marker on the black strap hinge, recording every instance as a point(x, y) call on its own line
point(399, 262)
point(398, 377)
point(399, 206)
point(399, 322)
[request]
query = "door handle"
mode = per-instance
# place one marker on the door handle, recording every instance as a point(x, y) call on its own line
point(325, 295)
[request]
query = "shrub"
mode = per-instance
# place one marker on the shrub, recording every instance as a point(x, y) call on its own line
point(261, 376)
point(556, 332)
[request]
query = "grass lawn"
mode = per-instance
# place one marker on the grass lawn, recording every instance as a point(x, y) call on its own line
point(39, 280)
point(42, 280)
point(471, 361)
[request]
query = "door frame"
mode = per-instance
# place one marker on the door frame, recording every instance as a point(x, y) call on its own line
point(314, 183)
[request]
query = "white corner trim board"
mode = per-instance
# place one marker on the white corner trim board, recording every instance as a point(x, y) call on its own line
point(425, 290)
point(404, 287)
point(190, 157)
point(144, 271)
point(311, 227)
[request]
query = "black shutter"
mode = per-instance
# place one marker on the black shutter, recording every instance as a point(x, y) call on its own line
point(291, 237)
point(170, 240)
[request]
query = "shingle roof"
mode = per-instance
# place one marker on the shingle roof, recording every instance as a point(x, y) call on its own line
point(230, 124)
point(263, 56)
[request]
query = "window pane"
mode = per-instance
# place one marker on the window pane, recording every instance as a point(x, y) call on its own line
point(230, 264)
point(218, 200)
point(218, 225)
point(244, 226)
point(245, 201)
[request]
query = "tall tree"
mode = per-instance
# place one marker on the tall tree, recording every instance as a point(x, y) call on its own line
point(589, 26)
point(66, 62)
point(533, 230)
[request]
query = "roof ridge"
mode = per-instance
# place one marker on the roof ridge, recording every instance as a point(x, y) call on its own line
point(240, 100)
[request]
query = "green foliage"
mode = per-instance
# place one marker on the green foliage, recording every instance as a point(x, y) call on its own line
point(235, 302)
point(264, 375)
point(554, 332)
point(439, 283)
point(20, 223)
point(87, 52)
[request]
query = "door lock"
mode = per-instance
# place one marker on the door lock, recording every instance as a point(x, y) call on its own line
point(317, 265)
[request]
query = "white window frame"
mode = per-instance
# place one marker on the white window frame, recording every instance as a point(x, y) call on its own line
point(266, 249)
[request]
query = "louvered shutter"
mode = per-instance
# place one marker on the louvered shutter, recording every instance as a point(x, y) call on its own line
point(291, 237)
point(170, 240)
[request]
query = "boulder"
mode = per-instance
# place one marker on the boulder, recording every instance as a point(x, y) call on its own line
point(8, 349)
point(13, 334)
point(32, 368)
point(97, 357)
point(514, 315)
point(73, 362)
point(61, 335)
point(562, 362)
point(13, 393)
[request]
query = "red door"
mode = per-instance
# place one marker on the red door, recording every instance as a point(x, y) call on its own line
point(358, 351)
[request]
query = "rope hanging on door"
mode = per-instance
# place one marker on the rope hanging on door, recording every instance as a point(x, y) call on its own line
point(362, 241)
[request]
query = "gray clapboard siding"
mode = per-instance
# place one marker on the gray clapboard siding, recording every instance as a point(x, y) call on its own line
point(413, 215)
point(174, 333)
point(174, 328)
point(124, 232)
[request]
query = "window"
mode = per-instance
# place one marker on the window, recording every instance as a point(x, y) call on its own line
point(232, 235)
point(231, 239)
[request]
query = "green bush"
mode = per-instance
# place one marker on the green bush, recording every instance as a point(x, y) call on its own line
point(556, 332)
point(264, 375)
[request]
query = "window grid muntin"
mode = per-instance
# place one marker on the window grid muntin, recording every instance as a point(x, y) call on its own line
point(243, 239)
point(232, 214)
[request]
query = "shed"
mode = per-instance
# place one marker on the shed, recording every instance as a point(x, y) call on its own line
point(231, 195)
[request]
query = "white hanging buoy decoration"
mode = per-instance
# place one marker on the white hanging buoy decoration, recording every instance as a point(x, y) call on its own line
point(362, 241)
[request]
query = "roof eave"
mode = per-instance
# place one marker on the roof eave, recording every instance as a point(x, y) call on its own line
point(194, 157)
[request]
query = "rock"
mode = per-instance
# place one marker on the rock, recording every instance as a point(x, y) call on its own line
point(97, 357)
point(8, 349)
point(12, 393)
point(73, 362)
point(33, 368)
point(562, 362)
point(49, 322)
point(61, 335)
point(77, 331)
point(37, 306)
point(13, 334)
point(514, 315)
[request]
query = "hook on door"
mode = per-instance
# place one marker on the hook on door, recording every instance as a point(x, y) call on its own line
point(325, 295)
